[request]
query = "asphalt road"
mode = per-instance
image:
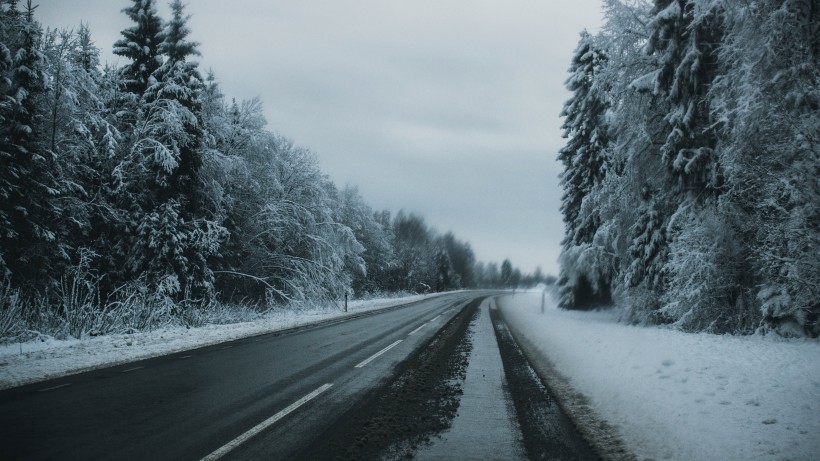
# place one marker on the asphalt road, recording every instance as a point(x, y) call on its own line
point(263, 397)
point(405, 382)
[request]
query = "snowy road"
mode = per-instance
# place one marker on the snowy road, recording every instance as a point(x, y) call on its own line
point(384, 384)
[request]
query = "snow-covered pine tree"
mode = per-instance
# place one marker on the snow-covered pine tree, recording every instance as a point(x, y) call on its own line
point(768, 101)
point(88, 55)
point(30, 185)
point(178, 79)
point(141, 45)
point(682, 41)
point(583, 157)
point(585, 166)
point(684, 37)
point(415, 253)
point(166, 155)
point(634, 201)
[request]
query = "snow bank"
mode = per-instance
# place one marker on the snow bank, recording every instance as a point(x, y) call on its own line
point(682, 396)
point(33, 361)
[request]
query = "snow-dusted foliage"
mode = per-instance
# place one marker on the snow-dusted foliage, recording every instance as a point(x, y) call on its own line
point(711, 202)
point(31, 183)
point(136, 196)
point(582, 284)
point(369, 271)
point(291, 243)
point(140, 43)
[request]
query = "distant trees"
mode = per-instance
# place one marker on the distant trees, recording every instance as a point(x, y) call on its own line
point(705, 133)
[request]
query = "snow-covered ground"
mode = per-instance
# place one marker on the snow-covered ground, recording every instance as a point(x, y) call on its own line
point(23, 363)
point(674, 395)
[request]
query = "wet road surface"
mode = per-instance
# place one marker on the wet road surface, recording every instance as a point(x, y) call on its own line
point(399, 384)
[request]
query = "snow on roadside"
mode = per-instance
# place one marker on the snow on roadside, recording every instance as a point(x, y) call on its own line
point(33, 361)
point(675, 395)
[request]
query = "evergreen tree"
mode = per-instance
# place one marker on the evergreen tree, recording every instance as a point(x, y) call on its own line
point(29, 177)
point(178, 79)
point(173, 236)
point(585, 166)
point(584, 156)
point(768, 102)
point(141, 45)
point(88, 56)
point(684, 37)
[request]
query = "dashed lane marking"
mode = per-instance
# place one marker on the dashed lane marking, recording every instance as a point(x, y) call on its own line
point(54, 387)
point(225, 449)
point(133, 369)
point(373, 357)
point(416, 330)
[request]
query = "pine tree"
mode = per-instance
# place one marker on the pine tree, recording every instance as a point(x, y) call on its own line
point(585, 166)
point(88, 57)
point(172, 235)
point(29, 177)
point(178, 79)
point(684, 38)
point(584, 156)
point(768, 101)
point(141, 45)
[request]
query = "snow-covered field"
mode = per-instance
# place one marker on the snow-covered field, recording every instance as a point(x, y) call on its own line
point(23, 363)
point(674, 395)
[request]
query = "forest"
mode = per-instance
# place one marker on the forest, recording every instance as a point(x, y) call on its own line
point(141, 195)
point(691, 166)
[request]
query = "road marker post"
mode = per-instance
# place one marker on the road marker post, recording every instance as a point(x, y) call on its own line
point(345, 301)
point(543, 295)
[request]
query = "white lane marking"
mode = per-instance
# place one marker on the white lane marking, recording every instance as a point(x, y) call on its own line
point(416, 330)
point(54, 387)
point(373, 357)
point(226, 347)
point(186, 357)
point(435, 318)
point(225, 449)
point(132, 369)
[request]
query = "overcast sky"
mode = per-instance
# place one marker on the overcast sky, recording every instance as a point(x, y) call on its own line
point(447, 108)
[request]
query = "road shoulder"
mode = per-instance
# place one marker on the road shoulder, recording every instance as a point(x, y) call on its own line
point(485, 402)
point(602, 437)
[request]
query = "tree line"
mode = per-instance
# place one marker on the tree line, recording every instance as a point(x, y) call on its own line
point(691, 165)
point(147, 178)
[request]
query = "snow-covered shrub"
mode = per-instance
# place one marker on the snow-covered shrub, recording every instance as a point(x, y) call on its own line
point(137, 307)
point(705, 264)
point(11, 311)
